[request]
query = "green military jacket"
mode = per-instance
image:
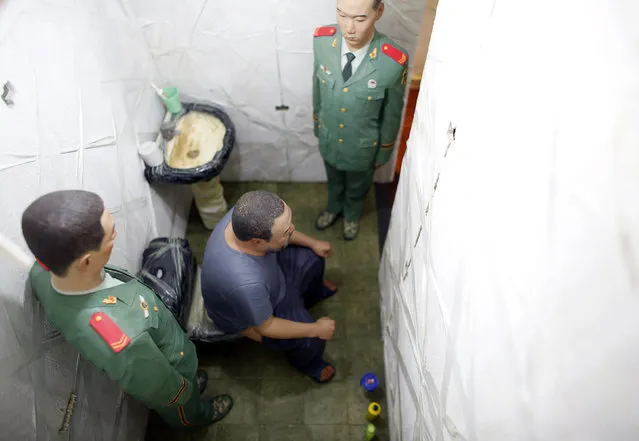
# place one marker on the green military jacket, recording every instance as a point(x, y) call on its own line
point(128, 332)
point(357, 121)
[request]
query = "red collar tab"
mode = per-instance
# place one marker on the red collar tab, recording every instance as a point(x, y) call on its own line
point(46, 268)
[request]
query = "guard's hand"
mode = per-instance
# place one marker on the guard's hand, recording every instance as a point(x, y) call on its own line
point(322, 248)
point(325, 328)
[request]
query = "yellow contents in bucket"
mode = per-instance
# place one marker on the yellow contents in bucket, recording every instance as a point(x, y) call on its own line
point(374, 409)
point(199, 137)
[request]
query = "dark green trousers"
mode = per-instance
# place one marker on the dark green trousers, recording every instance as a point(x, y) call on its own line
point(347, 191)
point(193, 413)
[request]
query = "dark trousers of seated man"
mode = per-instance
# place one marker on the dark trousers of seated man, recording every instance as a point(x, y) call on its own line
point(304, 274)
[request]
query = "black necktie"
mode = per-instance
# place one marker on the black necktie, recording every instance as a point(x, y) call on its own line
point(348, 69)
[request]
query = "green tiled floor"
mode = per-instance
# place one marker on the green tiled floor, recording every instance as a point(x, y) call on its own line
point(273, 402)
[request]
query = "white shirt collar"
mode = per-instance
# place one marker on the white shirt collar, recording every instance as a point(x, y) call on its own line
point(100, 287)
point(358, 53)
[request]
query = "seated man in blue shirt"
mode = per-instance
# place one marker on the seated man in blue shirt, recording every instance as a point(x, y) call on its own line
point(253, 283)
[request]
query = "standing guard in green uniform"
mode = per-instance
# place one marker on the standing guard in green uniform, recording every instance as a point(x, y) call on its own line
point(114, 321)
point(359, 80)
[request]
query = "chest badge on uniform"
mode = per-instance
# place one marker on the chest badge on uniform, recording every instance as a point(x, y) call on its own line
point(372, 84)
point(144, 306)
point(325, 69)
point(111, 300)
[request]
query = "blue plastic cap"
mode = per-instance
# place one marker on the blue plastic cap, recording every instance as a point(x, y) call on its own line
point(369, 381)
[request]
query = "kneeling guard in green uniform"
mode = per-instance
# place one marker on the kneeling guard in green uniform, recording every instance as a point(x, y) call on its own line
point(359, 81)
point(114, 321)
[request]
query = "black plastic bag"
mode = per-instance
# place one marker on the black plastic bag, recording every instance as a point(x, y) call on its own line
point(165, 174)
point(169, 269)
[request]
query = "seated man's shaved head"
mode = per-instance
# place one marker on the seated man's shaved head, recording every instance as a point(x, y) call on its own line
point(255, 213)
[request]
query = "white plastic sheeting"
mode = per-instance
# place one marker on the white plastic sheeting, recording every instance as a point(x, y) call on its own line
point(82, 104)
point(250, 56)
point(510, 275)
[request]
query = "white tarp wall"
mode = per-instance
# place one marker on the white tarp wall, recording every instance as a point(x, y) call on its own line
point(82, 103)
point(250, 56)
point(510, 276)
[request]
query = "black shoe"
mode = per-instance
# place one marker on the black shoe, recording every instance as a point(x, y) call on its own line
point(202, 378)
point(350, 230)
point(220, 407)
point(326, 220)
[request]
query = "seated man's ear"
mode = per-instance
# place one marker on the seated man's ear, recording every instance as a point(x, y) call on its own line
point(257, 242)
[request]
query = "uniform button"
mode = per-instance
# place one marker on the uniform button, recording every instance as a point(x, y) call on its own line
point(341, 140)
point(98, 318)
point(181, 354)
point(343, 109)
point(346, 89)
point(319, 127)
point(155, 308)
point(341, 126)
point(370, 98)
point(374, 142)
point(323, 81)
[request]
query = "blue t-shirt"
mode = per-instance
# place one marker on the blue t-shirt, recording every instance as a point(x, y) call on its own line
point(239, 290)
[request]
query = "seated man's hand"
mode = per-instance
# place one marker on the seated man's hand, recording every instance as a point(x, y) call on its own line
point(325, 328)
point(322, 248)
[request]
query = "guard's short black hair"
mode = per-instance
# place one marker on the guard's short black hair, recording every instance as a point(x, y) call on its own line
point(254, 215)
point(61, 226)
point(376, 4)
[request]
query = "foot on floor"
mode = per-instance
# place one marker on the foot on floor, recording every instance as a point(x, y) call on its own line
point(351, 229)
point(325, 220)
point(221, 405)
point(332, 287)
point(202, 378)
point(325, 373)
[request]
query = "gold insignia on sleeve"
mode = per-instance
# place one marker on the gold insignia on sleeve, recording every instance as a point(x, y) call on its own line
point(111, 300)
point(373, 54)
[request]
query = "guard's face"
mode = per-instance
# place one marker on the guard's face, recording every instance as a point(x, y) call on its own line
point(356, 20)
point(282, 230)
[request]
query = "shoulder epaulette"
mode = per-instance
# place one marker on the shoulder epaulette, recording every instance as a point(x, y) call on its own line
point(394, 53)
point(325, 31)
point(109, 331)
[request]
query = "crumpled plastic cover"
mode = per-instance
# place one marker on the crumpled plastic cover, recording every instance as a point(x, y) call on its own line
point(166, 174)
point(510, 274)
point(168, 268)
point(199, 326)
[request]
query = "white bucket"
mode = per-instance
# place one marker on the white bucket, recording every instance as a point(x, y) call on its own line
point(151, 153)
